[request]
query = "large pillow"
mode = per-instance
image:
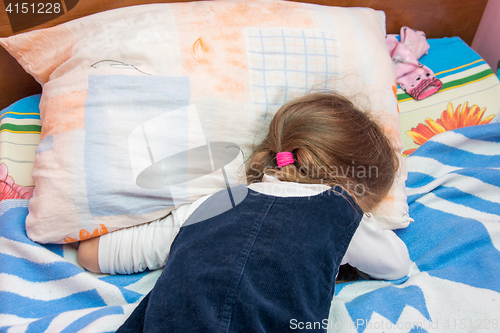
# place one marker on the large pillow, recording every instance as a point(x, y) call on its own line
point(128, 92)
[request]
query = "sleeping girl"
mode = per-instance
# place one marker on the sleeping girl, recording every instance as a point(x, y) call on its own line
point(275, 255)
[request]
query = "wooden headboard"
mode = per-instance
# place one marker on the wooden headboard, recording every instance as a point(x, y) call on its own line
point(443, 18)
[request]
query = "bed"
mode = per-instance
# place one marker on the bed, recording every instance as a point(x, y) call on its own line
point(61, 180)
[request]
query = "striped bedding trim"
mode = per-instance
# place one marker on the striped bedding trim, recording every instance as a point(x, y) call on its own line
point(20, 128)
point(26, 129)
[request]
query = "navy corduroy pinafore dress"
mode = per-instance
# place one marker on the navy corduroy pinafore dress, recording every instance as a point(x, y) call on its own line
point(260, 266)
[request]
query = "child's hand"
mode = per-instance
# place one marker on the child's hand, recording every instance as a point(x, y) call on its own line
point(88, 254)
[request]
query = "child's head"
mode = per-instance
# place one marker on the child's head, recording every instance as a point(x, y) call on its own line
point(332, 143)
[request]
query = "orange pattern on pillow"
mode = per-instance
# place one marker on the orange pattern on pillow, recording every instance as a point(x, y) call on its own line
point(67, 113)
point(219, 41)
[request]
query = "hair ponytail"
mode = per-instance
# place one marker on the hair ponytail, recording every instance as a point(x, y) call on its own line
point(332, 143)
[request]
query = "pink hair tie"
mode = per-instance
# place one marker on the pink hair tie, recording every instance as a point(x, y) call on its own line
point(284, 158)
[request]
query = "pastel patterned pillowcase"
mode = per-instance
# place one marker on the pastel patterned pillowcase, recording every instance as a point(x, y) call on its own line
point(128, 91)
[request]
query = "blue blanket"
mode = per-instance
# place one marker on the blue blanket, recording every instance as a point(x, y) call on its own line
point(453, 192)
point(43, 289)
point(454, 285)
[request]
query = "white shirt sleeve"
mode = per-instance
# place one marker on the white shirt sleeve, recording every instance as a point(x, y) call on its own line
point(377, 252)
point(144, 246)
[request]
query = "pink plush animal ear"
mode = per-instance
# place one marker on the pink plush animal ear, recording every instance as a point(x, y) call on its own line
point(391, 41)
point(9, 189)
point(415, 41)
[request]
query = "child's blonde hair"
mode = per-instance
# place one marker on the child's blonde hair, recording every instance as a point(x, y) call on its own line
point(332, 143)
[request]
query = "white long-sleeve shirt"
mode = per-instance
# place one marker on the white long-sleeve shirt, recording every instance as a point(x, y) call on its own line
point(377, 252)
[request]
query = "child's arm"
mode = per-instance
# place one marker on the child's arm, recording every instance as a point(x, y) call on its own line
point(134, 249)
point(377, 252)
point(129, 250)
